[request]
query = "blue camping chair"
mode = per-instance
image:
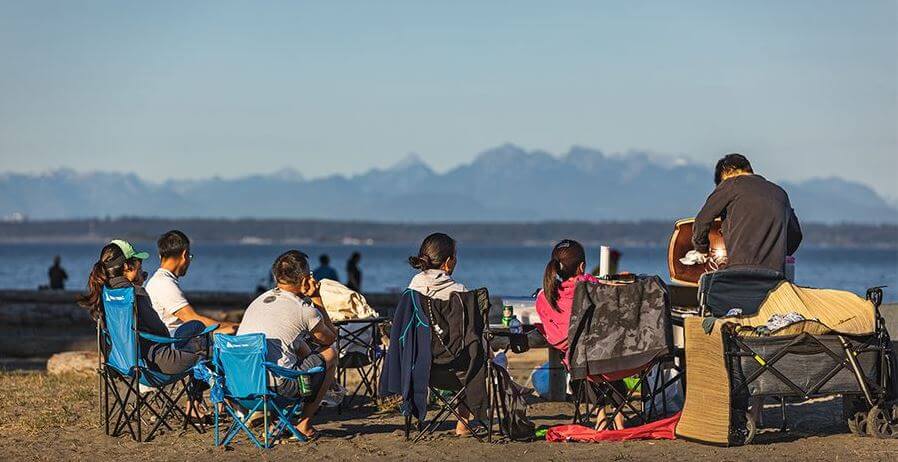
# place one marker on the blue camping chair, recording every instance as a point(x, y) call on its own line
point(241, 372)
point(123, 371)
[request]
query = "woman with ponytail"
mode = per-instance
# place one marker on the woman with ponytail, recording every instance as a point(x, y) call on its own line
point(120, 266)
point(435, 262)
point(565, 269)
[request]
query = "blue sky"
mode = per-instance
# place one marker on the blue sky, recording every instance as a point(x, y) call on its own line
point(194, 89)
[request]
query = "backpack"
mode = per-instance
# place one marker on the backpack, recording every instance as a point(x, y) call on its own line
point(512, 407)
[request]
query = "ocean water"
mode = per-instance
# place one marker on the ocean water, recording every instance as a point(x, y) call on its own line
point(505, 270)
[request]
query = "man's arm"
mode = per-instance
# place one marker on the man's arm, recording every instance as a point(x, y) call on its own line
point(793, 233)
point(187, 313)
point(312, 289)
point(323, 334)
point(713, 208)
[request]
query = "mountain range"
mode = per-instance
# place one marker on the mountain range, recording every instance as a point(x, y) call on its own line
point(506, 183)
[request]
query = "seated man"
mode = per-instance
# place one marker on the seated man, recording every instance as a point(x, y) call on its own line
point(297, 329)
point(759, 225)
point(165, 288)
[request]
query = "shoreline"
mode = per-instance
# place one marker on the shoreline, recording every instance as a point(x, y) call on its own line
point(99, 240)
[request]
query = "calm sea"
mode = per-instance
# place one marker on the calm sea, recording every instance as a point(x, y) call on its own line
point(505, 270)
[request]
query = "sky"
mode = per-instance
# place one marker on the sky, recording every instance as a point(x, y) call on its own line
point(196, 89)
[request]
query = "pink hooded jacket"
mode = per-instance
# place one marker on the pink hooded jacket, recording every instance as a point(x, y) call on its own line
point(556, 322)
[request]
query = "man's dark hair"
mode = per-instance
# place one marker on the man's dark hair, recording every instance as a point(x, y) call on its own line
point(729, 163)
point(290, 267)
point(324, 259)
point(173, 244)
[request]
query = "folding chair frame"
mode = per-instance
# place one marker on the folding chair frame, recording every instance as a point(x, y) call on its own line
point(369, 373)
point(448, 407)
point(626, 403)
point(242, 423)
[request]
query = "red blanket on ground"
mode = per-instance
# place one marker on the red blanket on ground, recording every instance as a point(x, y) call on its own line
point(658, 430)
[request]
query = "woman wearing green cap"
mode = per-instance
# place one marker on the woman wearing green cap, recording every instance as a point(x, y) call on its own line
point(120, 266)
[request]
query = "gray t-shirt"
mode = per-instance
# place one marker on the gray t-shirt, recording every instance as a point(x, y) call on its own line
point(286, 320)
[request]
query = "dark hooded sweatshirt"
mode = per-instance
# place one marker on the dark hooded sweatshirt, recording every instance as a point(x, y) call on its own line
point(406, 369)
point(759, 225)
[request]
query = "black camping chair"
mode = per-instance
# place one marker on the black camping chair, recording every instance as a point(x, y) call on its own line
point(446, 385)
point(743, 288)
point(361, 349)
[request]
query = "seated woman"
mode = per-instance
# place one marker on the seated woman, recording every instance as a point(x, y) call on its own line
point(120, 266)
point(435, 262)
point(565, 269)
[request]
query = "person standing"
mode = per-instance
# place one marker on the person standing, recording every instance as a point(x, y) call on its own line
point(57, 275)
point(353, 273)
point(759, 225)
point(165, 287)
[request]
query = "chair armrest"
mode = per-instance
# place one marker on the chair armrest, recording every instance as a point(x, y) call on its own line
point(207, 330)
point(171, 340)
point(158, 338)
point(290, 373)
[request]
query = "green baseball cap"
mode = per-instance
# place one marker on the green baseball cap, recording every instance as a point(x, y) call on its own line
point(128, 250)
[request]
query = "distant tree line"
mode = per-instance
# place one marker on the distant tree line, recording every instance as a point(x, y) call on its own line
point(324, 231)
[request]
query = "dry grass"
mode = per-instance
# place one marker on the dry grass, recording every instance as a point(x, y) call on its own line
point(34, 402)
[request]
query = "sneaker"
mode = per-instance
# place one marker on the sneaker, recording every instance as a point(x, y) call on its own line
point(334, 396)
point(144, 389)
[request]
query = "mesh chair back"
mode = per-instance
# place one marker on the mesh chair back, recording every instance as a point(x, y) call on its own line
point(743, 288)
point(118, 314)
point(240, 358)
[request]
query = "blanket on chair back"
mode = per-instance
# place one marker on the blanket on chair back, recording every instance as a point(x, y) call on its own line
point(616, 327)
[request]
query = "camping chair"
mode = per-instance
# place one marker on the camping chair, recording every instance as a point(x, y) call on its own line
point(636, 310)
point(242, 373)
point(446, 386)
point(361, 349)
point(123, 373)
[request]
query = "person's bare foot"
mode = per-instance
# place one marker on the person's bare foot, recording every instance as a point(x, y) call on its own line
point(461, 430)
point(305, 427)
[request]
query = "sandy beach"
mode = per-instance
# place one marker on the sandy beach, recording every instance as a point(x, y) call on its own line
point(45, 417)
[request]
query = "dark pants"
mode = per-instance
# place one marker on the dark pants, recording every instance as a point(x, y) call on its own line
point(180, 356)
point(290, 388)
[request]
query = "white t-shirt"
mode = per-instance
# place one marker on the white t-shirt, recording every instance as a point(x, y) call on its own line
point(286, 320)
point(167, 297)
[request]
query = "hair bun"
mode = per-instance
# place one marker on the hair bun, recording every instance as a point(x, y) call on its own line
point(420, 263)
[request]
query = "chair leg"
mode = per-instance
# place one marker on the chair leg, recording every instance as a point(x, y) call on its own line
point(106, 415)
point(138, 403)
point(217, 429)
point(265, 419)
point(408, 426)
